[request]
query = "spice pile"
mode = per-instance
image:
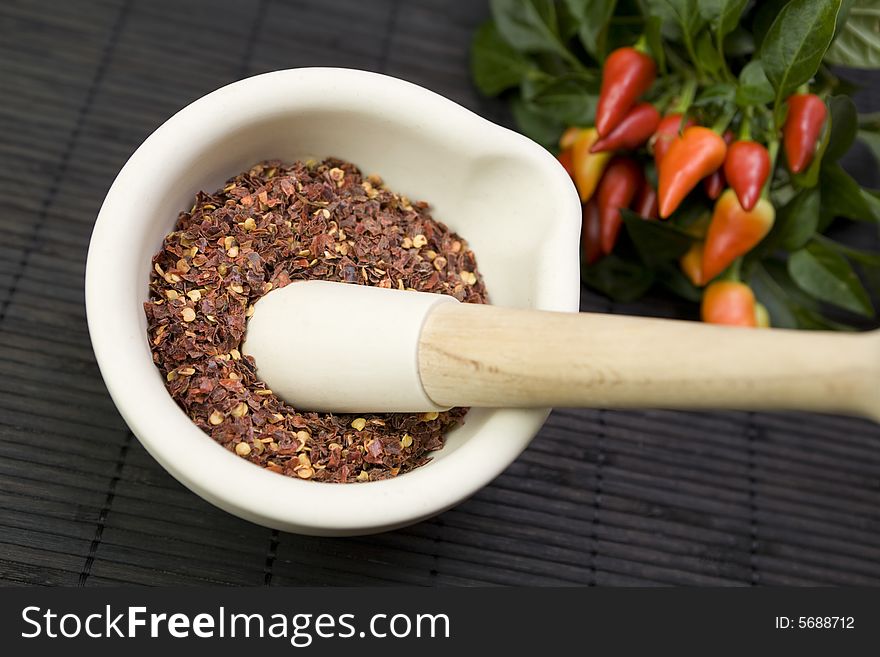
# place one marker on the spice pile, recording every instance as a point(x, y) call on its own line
point(267, 227)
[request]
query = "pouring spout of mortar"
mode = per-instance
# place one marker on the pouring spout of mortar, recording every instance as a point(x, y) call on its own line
point(350, 348)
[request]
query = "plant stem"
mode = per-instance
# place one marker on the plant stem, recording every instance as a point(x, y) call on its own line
point(725, 69)
point(745, 130)
point(689, 45)
point(724, 120)
point(773, 151)
point(686, 97)
point(566, 54)
point(733, 272)
point(677, 63)
point(662, 102)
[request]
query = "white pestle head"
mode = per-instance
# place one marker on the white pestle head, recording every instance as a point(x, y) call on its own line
point(341, 347)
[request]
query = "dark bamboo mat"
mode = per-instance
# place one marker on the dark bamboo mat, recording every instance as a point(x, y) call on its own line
point(601, 497)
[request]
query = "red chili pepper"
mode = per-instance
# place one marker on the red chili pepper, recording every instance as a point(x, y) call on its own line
point(566, 160)
point(806, 116)
point(746, 167)
point(714, 183)
point(626, 75)
point(618, 188)
point(591, 232)
point(634, 130)
point(691, 157)
point(734, 232)
point(729, 302)
point(645, 204)
point(666, 133)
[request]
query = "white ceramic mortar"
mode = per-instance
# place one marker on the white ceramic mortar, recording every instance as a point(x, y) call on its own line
point(505, 194)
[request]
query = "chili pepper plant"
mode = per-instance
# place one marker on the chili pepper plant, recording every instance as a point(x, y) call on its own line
point(704, 139)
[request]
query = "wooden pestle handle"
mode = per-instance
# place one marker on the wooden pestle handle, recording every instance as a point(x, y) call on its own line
point(474, 355)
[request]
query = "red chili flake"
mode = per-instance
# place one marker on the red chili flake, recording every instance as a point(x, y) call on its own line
point(267, 227)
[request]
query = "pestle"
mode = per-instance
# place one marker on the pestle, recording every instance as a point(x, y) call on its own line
point(350, 348)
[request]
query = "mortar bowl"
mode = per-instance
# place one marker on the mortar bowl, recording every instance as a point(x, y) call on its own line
point(507, 196)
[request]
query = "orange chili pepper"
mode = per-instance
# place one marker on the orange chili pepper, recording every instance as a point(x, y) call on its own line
point(691, 157)
point(567, 139)
point(729, 302)
point(734, 232)
point(566, 160)
point(666, 133)
point(588, 167)
point(691, 264)
point(714, 183)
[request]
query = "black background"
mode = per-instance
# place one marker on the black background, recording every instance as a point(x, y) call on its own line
point(601, 497)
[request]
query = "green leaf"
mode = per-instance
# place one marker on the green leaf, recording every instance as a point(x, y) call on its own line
point(843, 197)
point(722, 15)
point(569, 99)
point(812, 320)
point(857, 43)
point(872, 277)
point(529, 25)
point(754, 88)
point(670, 276)
point(720, 93)
point(739, 43)
point(869, 121)
point(617, 278)
point(796, 42)
point(770, 293)
point(865, 258)
point(656, 241)
point(694, 212)
point(827, 276)
point(654, 37)
point(567, 21)
point(798, 220)
point(593, 17)
point(686, 13)
point(662, 9)
point(535, 124)
point(844, 125)
point(788, 305)
point(707, 53)
point(765, 13)
point(495, 64)
point(872, 139)
point(842, 16)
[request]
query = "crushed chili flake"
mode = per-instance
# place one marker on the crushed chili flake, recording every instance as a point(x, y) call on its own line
point(267, 227)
